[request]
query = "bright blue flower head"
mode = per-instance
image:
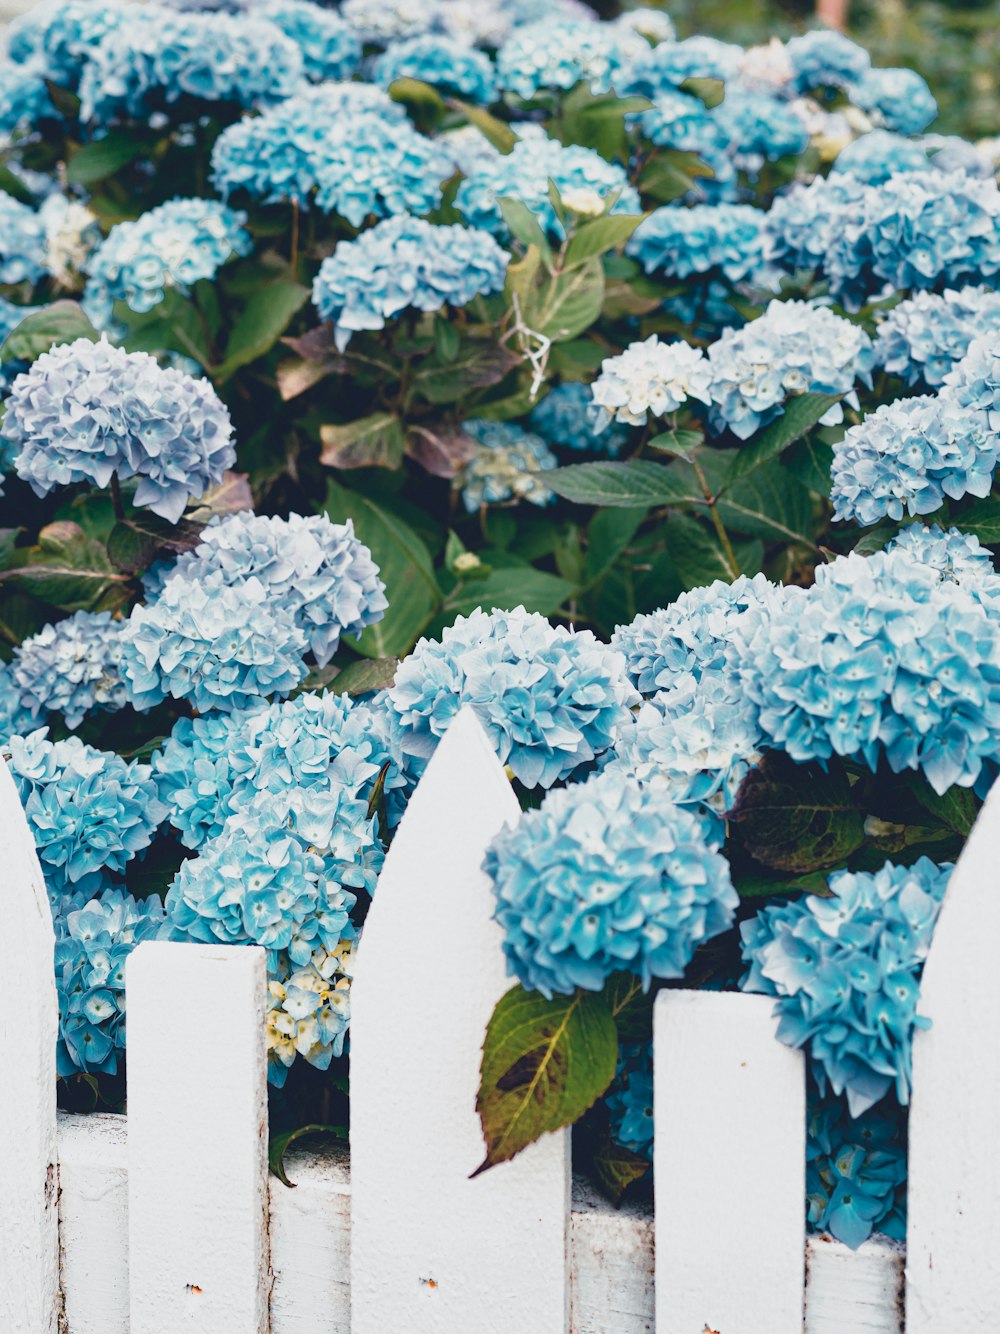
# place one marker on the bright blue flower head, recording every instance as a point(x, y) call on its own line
point(678, 242)
point(86, 412)
point(93, 941)
point(445, 63)
point(630, 1101)
point(845, 969)
point(759, 128)
point(405, 262)
point(504, 466)
point(89, 811)
point(525, 174)
point(974, 384)
point(216, 644)
point(959, 558)
point(22, 242)
point(330, 47)
point(659, 69)
point(58, 36)
point(559, 52)
point(881, 657)
point(24, 98)
point(172, 246)
point(72, 667)
point(678, 120)
point(801, 224)
point(824, 58)
point(923, 338)
point(564, 419)
point(606, 876)
point(873, 158)
point(15, 719)
point(855, 1172)
point(549, 698)
point(899, 99)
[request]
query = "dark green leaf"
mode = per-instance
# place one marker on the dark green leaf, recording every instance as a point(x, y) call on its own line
point(367, 674)
point(983, 520)
point(524, 225)
point(695, 552)
point(8, 542)
point(709, 91)
point(809, 461)
point(279, 1144)
point(70, 570)
point(103, 157)
point(62, 322)
point(370, 442)
point(501, 136)
point(681, 444)
point(567, 303)
point(477, 366)
point(263, 320)
point(616, 1168)
point(800, 415)
point(535, 590)
point(632, 484)
point(447, 339)
point(599, 236)
point(608, 534)
point(770, 504)
point(544, 1063)
point(631, 1007)
point(957, 808)
point(134, 544)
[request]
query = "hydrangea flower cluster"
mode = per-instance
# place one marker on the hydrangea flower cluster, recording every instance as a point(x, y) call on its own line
point(317, 571)
point(24, 98)
point(845, 969)
point(880, 657)
point(974, 384)
point(444, 62)
point(564, 419)
point(649, 378)
point(212, 643)
point(160, 56)
point(405, 262)
point(630, 1102)
point(504, 466)
point(759, 128)
point(89, 811)
point(550, 699)
point(93, 940)
point(874, 157)
point(826, 59)
point(559, 53)
point(896, 98)
point(801, 224)
point(855, 1173)
point(72, 667)
point(525, 173)
point(666, 66)
point(309, 1010)
point(723, 238)
point(330, 47)
point(922, 339)
point(957, 557)
point(606, 876)
point(678, 120)
point(794, 348)
point(72, 234)
point(22, 242)
point(56, 37)
point(170, 247)
point(87, 412)
point(15, 719)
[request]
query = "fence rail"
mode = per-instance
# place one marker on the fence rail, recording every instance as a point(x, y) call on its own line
point(167, 1222)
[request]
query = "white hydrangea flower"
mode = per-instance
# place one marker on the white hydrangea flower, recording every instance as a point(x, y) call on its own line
point(584, 200)
point(650, 377)
point(72, 233)
point(766, 68)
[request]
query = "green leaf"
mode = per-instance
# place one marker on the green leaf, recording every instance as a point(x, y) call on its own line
point(103, 157)
point(404, 564)
point(62, 322)
point(631, 1007)
point(608, 534)
point(544, 1063)
point(983, 520)
point(447, 339)
point(770, 504)
point(135, 543)
point(278, 1145)
point(535, 590)
point(616, 1167)
point(800, 415)
point(172, 325)
point(599, 236)
point(263, 320)
point(809, 460)
point(496, 132)
point(680, 444)
point(635, 483)
point(8, 543)
point(794, 817)
point(370, 442)
point(358, 678)
point(524, 225)
point(696, 554)
point(567, 303)
point(957, 808)
point(416, 93)
point(709, 91)
point(70, 570)
point(478, 365)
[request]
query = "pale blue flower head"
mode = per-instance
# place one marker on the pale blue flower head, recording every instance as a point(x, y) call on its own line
point(855, 1172)
point(329, 45)
point(24, 98)
point(678, 120)
point(15, 719)
point(759, 128)
point(72, 667)
point(899, 99)
point(401, 263)
point(874, 157)
point(824, 58)
point(630, 1100)
point(382, 21)
point(606, 876)
point(22, 242)
point(801, 223)
point(58, 36)
point(845, 969)
point(445, 63)
point(974, 384)
point(89, 811)
point(559, 52)
point(549, 698)
point(708, 238)
point(649, 378)
point(661, 68)
point(563, 419)
point(86, 412)
point(504, 466)
point(957, 557)
point(923, 338)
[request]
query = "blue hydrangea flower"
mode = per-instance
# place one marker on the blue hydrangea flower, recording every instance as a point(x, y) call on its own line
point(22, 242)
point(630, 1101)
point(793, 348)
point(309, 1011)
point(159, 56)
point(525, 174)
point(899, 99)
point(367, 169)
point(549, 698)
point(855, 1172)
point(58, 36)
point(86, 412)
point(504, 466)
point(317, 570)
point(24, 98)
point(15, 719)
point(72, 667)
point(606, 876)
point(379, 23)
point(974, 384)
point(906, 456)
point(697, 740)
point(678, 120)
point(445, 63)
point(801, 224)
point(93, 940)
point(213, 643)
point(194, 773)
point(661, 68)
point(405, 262)
point(679, 242)
point(704, 309)
point(759, 128)
point(693, 635)
point(957, 557)
point(172, 246)
point(874, 157)
point(10, 317)
point(277, 156)
point(923, 338)
point(826, 59)
point(845, 969)
point(330, 47)
point(563, 418)
point(72, 234)
point(649, 378)
point(89, 811)
point(880, 657)
point(560, 52)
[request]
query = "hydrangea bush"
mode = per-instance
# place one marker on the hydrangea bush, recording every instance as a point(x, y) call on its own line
point(638, 390)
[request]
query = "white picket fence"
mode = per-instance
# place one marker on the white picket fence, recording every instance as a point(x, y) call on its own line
point(164, 1221)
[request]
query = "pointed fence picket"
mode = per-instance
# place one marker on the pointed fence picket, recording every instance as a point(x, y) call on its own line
point(167, 1221)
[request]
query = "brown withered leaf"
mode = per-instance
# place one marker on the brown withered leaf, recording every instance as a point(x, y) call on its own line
point(441, 450)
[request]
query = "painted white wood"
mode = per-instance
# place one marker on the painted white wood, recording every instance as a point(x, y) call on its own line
point(854, 1292)
point(197, 1132)
point(434, 1252)
point(311, 1244)
point(93, 1223)
point(29, 1026)
point(729, 1170)
point(953, 1200)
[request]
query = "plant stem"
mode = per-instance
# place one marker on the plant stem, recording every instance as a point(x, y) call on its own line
point(295, 239)
point(720, 527)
